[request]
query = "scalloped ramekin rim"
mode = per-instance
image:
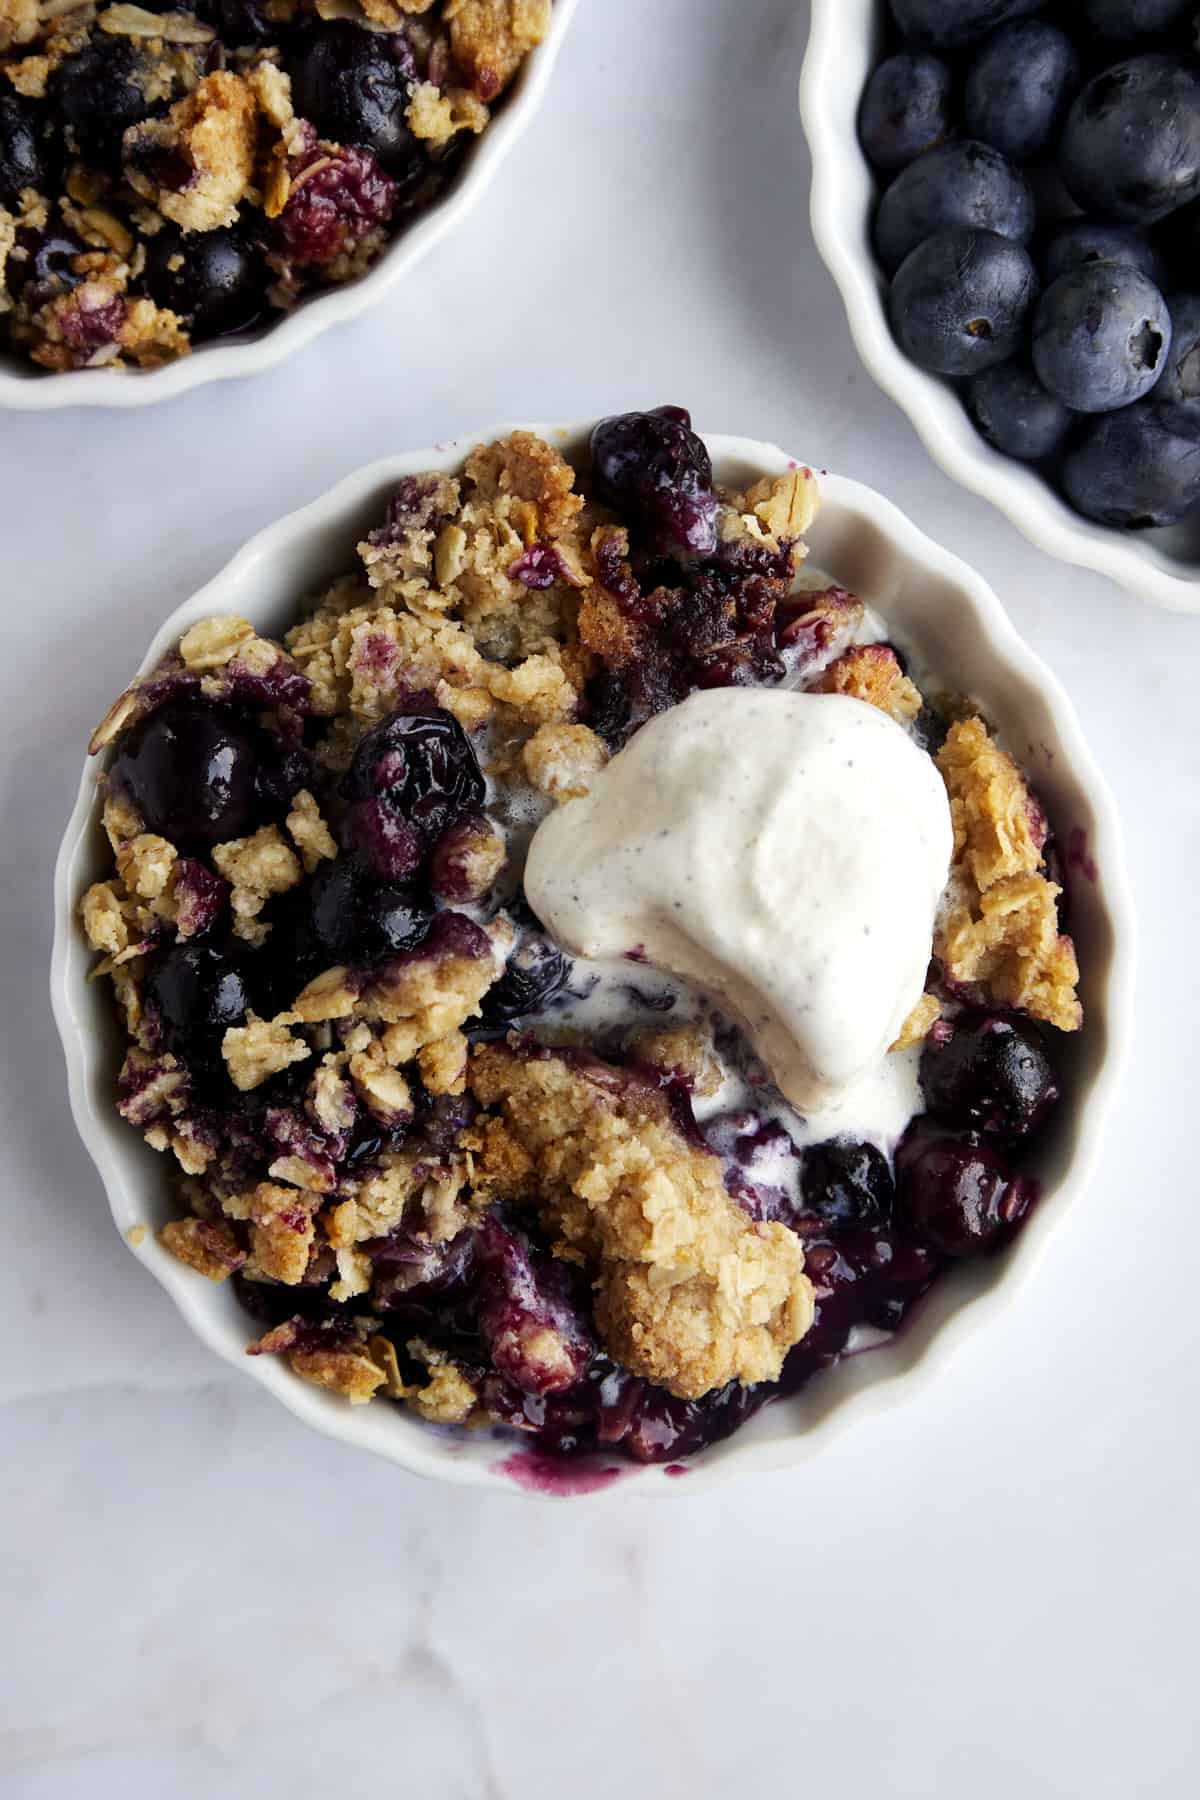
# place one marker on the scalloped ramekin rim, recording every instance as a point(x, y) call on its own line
point(423, 1451)
point(933, 409)
point(238, 358)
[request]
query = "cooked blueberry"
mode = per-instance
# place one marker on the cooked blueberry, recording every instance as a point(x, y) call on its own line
point(1130, 149)
point(26, 156)
point(239, 22)
point(991, 1074)
point(535, 971)
point(905, 109)
point(281, 774)
point(653, 467)
point(962, 300)
point(537, 1337)
point(354, 86)
point(42, 266)
point(1015, 414)
point(1178, 393)
point(99, 96)
point(1131, 470)
point(1086, 241)
point(949, 24)
point(197, 994)
point(190, 772)
point(215, 279)
point(957, 184)
point(422, 764)
point(1019, 87)
point(957, 1194)
point(1101, 335)
point(1121, 21)
point(848, 1183)
point(359, 919)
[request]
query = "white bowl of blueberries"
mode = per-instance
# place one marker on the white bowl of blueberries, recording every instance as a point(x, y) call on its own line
point(1008, 195)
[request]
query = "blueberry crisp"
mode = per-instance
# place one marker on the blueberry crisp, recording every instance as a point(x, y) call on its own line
point(481, 986)
point(169, 175)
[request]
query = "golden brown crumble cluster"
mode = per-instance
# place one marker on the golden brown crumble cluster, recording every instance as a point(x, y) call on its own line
point(143, 132)
point(367, 1138)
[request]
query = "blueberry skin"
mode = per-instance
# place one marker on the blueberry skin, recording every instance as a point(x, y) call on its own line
point(1015, 414)
point(349, 85)
point(905, 109)
point(1177, 395)
point(961, 302)
point(220, 285)
point(1121, 21)
point(1129, 469)
point(99, 97)
point(1085, 241)
point(26, 159)
point(1019, 87)
point(949, 24)
point(1130, 149)
point(1101, 337)
point(957, 184)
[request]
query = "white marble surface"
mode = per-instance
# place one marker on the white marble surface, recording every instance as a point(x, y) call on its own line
point(990, 1591)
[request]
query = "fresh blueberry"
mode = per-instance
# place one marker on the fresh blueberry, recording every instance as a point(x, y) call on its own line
point(949, 24)
point(1086, 241)
point(214, 279)
point(359, 919)
point(957, 1194)
point(653, 467)
point(992, 1073)
point(26, 156)
point(961, 301)
point(1019, 87)
point(1015, 414)
point(1178, 393)
point(905, 109)
point(535, 972)
point(1129, 469)
point(957, 184)
point(1101, 337)
point(420, 764)
point(99, 96)
point(197, 994)
point(354, 86)
point(848, 1183)
point(1130, 149)
point(190, 771)
point(1121, 21)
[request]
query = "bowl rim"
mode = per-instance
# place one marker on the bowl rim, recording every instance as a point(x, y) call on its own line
point(932, 407)
point(428, 1454)
point(236, 358)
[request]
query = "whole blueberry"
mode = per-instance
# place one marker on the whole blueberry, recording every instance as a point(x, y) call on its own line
point(961, 301)
point(189, 770)
point(1087, 241)
point(1130, 148)
point(1015, 414)
point(905, 109)
point(198, 995)
point(354, 86)
point(535, 972)
point(992, 1073)
point(848, 1183)
point(1101, 336)
point(654, 468)
point(949, 24)
point(965, 183)
point(956, 1194)
point(214, 279)
point(1121, 21)
point(1019, 87)
point(99, 97)
point(1131, 470)
point(26, 156)
point(359, 919)
point(1177, 395)
point(419, 765)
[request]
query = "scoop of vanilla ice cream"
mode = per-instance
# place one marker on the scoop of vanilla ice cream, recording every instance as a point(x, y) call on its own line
point(786, 852)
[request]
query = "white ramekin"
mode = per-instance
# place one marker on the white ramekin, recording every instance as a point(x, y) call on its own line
point(947, 615)
point(27, 389)
point(842, 49)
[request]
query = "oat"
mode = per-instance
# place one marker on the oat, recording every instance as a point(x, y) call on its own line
point(256, 868)
point(212, 135)
point(261, 1048)
point(213, 643)
point(309, 832)
point(919, 1023)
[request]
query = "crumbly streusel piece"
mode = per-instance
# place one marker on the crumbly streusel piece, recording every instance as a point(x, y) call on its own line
point(561, 759)
point(210, 137)
point(260, 1048)
point(343, 1367)
point(309, 832)
point(445, 1398)
point(919, 1023)
point(691, 1292)
point(256, 867)
point(872, 672)
point(204, 1245)
point(490, 39)
point(686, 1054)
